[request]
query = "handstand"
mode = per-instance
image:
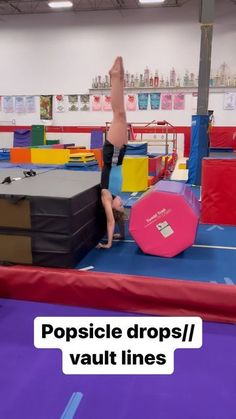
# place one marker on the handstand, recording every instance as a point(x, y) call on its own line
point(117, 137)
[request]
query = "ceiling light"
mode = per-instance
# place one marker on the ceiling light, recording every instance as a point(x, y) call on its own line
point(60, 4)
point(151, 1)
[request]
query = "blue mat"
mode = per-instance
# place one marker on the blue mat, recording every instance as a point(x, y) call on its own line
point(129, 199)
point(195, 263)
point(7, 165)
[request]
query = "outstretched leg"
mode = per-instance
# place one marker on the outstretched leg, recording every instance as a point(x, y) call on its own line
point(117, 134)
point(121, 155)
point(108, 151)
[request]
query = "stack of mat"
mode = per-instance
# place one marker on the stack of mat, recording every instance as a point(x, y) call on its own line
point(22, 138)
point(51, 219)
point(82, 161)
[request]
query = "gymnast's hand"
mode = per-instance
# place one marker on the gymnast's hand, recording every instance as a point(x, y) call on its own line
point(103, 246)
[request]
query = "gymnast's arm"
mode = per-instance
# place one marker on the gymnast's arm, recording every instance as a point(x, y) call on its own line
point(107, 204)
point(121, 227)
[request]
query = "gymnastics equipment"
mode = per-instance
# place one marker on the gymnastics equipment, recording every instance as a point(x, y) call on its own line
point(155, 169)
point(154, 165)
point(164, 221)
point(96, 151)
point(22, 138)
point(136, 149)
point(96, 140)
point(38, 134)
point(218, 191)
point(4, 154)
point(52, 142)
point(160, 138)
point(20, 155)
point(49, 156)
point(81, 157)
point(199, 147)
point(135, 173)
point(182, 166)
point(51, 218)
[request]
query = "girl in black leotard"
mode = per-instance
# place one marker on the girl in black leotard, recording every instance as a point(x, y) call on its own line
point(117, 136)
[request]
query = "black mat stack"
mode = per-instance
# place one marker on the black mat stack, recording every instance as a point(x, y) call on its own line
point(49, 219)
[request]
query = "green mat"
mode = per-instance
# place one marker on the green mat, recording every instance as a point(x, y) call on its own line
point(38, 133)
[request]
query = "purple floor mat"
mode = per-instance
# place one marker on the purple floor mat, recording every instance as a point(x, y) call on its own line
point(32, 385)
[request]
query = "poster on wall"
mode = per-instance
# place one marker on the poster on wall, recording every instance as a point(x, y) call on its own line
point(73, 103)
point(229, 101)
point(84, 102)
point(143, 101)
point(155, 100)
point(96, 102)
point(166, 102)
point(46, 107)
point(106, 103)
point(8, 104)
point(179, 101)
point(30, 104)
point(19, 104)
point(60, 103)
point(131, 102)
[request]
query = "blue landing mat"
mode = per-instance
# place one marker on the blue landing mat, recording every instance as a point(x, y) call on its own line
point(130, 198)
point(196, 263)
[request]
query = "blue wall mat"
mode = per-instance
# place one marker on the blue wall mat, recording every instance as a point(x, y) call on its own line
point(199, 147)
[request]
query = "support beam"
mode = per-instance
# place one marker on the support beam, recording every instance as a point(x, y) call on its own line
point(200, 122)
point(206, 20)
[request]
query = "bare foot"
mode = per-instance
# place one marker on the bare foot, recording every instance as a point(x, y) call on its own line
point(117, 69)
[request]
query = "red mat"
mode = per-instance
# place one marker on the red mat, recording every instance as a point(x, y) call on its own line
point(137, 294)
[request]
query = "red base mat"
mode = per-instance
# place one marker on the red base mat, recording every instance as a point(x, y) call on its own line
point(218, 191)
point(137, 294)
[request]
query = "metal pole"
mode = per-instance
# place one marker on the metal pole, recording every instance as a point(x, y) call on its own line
point(206, 19)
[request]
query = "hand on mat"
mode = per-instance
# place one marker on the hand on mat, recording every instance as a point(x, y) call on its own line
point(103, 246)
point(118, 236)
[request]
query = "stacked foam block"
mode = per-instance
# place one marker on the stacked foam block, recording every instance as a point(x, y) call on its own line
point(82, 161)
point(56, 222)
point(155, 165)
point(135, 174)
point(96, 151)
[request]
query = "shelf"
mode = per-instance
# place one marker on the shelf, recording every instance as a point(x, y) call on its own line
point(182, 89)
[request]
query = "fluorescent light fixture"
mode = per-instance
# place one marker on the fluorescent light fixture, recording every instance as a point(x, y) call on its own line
point(151, 1)
point(60, 4)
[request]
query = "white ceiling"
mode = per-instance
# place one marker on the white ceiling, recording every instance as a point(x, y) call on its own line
point(19, 7)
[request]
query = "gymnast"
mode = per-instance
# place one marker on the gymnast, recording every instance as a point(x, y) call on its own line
point(117, 137)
